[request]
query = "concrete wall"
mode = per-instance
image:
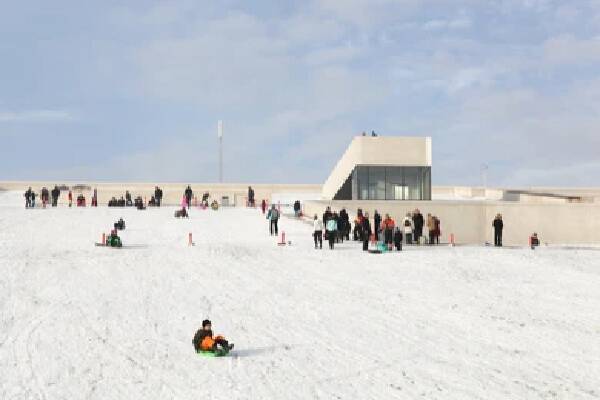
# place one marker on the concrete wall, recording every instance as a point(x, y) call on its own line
point(471, 221)
point(381, 150)
point(172, 192)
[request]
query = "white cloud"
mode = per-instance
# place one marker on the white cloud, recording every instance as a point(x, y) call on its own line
point(567, 49)
point(441, 24)
point(36, 116)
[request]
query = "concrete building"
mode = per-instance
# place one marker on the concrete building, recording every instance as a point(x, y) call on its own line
point(393, 175)
point(382, 168)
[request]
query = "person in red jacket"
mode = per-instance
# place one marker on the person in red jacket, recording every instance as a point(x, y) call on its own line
point(70, 198)
point(263, 206)
point(387, 227)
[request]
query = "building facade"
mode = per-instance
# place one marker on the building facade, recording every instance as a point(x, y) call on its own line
point(382, 168)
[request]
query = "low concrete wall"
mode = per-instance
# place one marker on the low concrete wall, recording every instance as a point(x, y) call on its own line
point(471, 221)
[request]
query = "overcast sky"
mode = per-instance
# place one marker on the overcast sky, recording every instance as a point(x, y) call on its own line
point(103, 90)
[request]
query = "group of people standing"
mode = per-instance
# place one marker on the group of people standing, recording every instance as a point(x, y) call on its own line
point(45, 195)
point(413, 226)
point(333, 226)
point(337, 227)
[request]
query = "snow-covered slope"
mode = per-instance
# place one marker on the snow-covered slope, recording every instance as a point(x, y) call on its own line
point(83, 322)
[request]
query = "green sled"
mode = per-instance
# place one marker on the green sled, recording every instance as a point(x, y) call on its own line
point(217, 353)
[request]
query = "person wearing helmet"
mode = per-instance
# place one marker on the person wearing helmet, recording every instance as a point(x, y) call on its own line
point(205, 341)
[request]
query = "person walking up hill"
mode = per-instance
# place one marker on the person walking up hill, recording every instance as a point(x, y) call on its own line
point(331, 231)
point(273, 217)
point(318, 232)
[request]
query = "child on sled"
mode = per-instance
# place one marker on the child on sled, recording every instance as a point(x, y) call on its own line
point(204, 341)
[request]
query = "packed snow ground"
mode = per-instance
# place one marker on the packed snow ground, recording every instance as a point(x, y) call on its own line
point(84, 322)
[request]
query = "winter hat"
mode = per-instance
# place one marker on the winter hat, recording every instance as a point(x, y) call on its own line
point(206, 322)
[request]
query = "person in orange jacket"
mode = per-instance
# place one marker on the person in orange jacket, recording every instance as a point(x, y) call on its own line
point(205, 341)
point(387, 227)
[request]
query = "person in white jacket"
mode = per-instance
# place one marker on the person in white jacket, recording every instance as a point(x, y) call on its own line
point(318, 232)
point(407, 227)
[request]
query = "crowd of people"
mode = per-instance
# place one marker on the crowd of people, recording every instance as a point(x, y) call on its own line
point(332, 227)
point(52, 196)
point(335, 227)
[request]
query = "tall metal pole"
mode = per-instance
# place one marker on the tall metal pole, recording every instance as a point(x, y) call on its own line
point(220, 135)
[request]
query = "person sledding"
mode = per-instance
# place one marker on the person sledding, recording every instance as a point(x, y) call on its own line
point(120, 224)
point(205, 343)
point(181, 213)
point(113, 240)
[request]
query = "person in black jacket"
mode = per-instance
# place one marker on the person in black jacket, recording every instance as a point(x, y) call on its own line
point(251, 202)
point(326, 216)
point(398, 239)
point(297, 208)
point(188, 196)
point(338, 223)
point(358, 225)
point(204, 340)
point(158, 196)
point(498, 226)
point(345, 225)
point(376, 224)
point(27, 195)
point(55, 194)
point(366, 231)
point(418, 222)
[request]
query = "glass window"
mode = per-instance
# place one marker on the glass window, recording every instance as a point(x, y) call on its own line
point(377, 183)
point(412, 179)
point(426, 183)
point(362, 178)
point(391, 183)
